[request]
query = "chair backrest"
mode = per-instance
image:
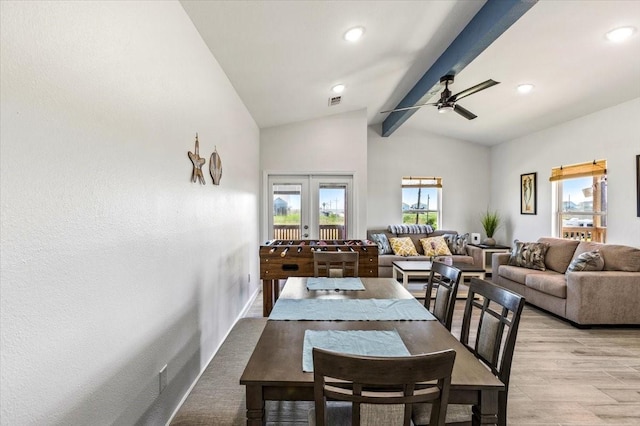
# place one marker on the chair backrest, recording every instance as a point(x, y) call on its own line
point(497, 312)
point(382, 380)
point(326, 263)
point(446, 280)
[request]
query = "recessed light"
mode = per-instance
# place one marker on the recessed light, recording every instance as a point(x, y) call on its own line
point(354, 34)
point(525, 88)
point(620, 34)
point(338, 88)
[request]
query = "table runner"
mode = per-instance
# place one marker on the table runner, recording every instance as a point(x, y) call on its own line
point(322, 283)
point(355, 342)
point(350, 310)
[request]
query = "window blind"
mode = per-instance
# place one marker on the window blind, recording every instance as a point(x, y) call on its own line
point(595, 168)
point(421, 182)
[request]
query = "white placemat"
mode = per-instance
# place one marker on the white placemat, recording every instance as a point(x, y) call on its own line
point(322, 283)
point(355, 342)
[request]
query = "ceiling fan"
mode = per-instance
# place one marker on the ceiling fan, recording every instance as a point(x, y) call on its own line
point(448, 102)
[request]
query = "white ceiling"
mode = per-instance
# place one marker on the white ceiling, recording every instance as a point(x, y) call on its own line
point(283, 57)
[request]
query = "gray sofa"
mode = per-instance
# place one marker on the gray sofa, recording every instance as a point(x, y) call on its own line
point(609, 296)
point(385, 261)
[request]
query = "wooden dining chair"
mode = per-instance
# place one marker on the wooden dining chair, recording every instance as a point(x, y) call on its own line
point(489, 330)
point(445, 279)
point(335, 263)
point(361, 383)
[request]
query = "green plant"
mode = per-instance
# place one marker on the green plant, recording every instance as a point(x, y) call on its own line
point(490, 222)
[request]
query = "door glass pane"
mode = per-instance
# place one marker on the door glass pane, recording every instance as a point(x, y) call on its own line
point(332, 213)
point(286, 211)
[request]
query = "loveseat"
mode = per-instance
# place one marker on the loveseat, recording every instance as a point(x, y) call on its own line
point(463, 253)
point(610, 295)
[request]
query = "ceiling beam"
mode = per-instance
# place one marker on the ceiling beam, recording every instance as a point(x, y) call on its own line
point(493, 19)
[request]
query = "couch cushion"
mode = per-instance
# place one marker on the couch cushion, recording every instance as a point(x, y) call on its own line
point(516, 273)
point(548, 282)
point(528, 255)
point(384, 247)
point(559, 253)
point(616, 257)
point(435, 246)
point(415, 238)
point(587, 261)
point(403, 246)
point(457, 243)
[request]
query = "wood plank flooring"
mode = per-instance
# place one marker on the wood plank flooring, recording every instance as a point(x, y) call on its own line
point(561, 375)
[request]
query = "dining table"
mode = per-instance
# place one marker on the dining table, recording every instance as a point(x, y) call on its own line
point(274, 372)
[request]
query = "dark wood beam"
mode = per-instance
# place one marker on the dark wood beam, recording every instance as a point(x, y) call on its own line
point(495, 17)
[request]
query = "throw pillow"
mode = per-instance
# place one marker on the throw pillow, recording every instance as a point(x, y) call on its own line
point(383, 243)
point(528, 255)
point(587, 261)
point(403, 246)
point(457, 243)
point(435, 246)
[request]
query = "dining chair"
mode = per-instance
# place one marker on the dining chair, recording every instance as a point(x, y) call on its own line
point(335, 263)
point(358, 385)
point(445, 279)
point(489, 329)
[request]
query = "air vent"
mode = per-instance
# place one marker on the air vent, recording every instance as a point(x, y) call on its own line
point(334, 100)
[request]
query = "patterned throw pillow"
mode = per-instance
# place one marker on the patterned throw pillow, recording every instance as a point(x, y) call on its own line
point(403, 246)
point(528, 255)
point(587, 261)
point(435, 246)
point(457, 243)
point(383, 243)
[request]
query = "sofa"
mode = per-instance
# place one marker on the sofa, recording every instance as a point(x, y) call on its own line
point(466, 254)
point(604, 293)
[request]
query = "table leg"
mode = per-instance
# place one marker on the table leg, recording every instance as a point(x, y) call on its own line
point(486, 412)
point(255, 406)
point(267, 297)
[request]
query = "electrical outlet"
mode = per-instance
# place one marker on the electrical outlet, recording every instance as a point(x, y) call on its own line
point(163, 378)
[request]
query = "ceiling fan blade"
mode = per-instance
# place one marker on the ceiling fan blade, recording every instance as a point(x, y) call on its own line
point(407, 108)
point(472, 90)
point(464, 112)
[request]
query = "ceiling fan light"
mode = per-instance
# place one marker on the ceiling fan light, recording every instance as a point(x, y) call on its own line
point(621, 34)
point(445, 108)
point(354, 34)
point(525, 88)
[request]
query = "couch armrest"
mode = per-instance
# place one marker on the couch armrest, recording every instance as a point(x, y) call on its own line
point(476, 253)
point(603, 297)
point(498, 259)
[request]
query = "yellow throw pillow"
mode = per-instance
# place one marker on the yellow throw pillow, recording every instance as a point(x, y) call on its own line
point(403, 246)
point(435, 246)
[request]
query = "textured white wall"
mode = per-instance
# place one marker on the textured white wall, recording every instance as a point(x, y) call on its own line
point(337, 143)
point(113, 262)
point(463, 166)
point(612, 134)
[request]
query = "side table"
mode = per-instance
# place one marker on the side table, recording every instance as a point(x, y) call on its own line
point(486, 252)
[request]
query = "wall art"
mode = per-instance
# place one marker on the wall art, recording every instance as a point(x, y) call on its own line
point(215, 167)
point(528, 204)
point(198, 162)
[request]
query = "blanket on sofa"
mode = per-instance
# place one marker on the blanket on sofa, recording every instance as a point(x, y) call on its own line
point(410, 229)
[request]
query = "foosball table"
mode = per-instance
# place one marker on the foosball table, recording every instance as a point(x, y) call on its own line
point(281, 259)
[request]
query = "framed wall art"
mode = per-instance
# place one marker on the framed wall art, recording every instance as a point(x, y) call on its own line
point(528, 195)
point(638, 183)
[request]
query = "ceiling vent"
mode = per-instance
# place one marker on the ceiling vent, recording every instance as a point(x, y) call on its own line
point(334, 100)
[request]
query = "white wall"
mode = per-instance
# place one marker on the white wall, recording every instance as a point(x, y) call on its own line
point(612, 134)
point(113, 262)
point(337, 143)
point(463, 166)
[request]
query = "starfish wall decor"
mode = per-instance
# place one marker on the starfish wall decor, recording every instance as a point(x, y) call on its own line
point(198, 162)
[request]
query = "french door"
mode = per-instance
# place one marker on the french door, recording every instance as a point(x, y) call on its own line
point(309, 207)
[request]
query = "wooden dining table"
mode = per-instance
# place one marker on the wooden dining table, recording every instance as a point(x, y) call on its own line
point(274, 371)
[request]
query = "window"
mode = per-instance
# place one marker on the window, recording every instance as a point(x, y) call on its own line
point(581, 202)
point(421, 200)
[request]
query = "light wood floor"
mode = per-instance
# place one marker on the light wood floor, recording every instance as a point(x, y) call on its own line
point(561, 375)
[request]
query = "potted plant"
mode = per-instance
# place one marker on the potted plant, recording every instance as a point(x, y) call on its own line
point(490, 222)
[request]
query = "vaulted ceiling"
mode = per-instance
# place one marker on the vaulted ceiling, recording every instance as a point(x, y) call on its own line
point(283, 57)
